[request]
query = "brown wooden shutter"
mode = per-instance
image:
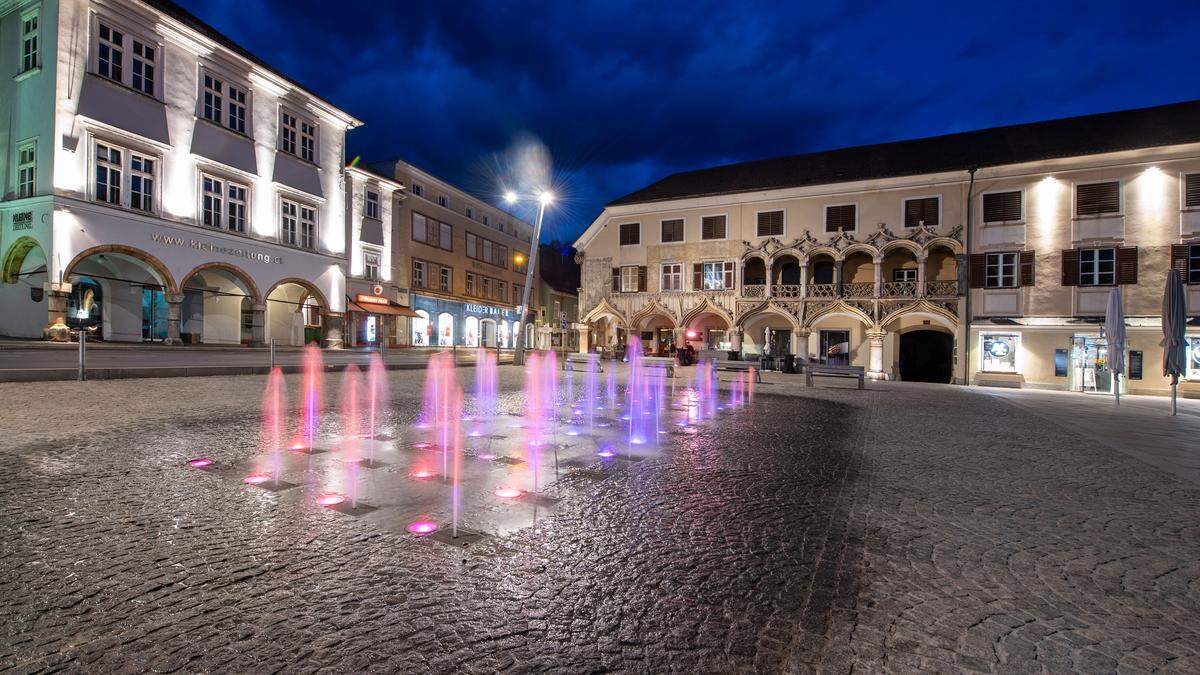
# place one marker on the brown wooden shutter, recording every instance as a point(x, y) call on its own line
point(730, 282)
point(924, 210)
point(1179, 258)
point(616, 279)
point(977, 267)
point(840, 218)
point(641, 279)
point(1070, 267)
point(697, 277)
point(1094, 199)
point(770, 224)
point(1127, 265)
point(1191, 191)
point(1002, 207)
point(1027, 278)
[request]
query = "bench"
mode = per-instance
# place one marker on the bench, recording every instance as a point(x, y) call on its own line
point(738, 367)
point(664, 362)
point(855, 372)
point(589, 361)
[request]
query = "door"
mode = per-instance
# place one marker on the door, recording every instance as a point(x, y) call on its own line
point(1089, 365)
point(835, 347)
point(154, 315)
point(926, 356)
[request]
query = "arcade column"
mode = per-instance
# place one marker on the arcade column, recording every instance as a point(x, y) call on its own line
point(875, 342)
point(174, 310)
point(258, 322)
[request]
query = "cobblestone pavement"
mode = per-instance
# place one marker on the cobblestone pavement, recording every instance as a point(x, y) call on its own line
point(900, 528)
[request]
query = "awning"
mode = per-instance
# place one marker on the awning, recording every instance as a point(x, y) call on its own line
point(391, 309)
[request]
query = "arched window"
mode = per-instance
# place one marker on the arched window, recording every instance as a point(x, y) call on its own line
point(420, 329)
point(504, 332)
point(445, 329)
point(471, 339)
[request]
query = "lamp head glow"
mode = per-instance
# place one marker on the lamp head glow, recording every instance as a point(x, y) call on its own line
point(519, 258)
point(510, 197)
point(546, 198)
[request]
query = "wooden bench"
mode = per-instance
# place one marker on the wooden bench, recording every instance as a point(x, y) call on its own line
point(854, 372)
point(588, 361)
point(664, 362)
point(738, 367)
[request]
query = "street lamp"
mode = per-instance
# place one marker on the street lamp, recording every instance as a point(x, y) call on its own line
point(544, 199)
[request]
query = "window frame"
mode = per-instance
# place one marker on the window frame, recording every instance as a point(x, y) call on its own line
point(1193, 264)
point(233, 93)
point(664, 274)
point(299, 234)
point(1000, 266)
point(628, 268)
point(1120, 199)
point(367, 253)
point(124, 189)
point(369, 212)
point(417, 263)
point(1096, 273)
point(904, 212)
point(126, 49)
point(23, 166)
point(825, 218)
point(303, 135)
point(721, 268)
point(915, 274)
point(983, 211)
point(782, 225)
point(30, 58)
point(621, 233)
point(714, 215)
point(682, 231)
point(417, 189)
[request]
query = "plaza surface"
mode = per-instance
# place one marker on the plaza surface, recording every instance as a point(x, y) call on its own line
point(904, 527)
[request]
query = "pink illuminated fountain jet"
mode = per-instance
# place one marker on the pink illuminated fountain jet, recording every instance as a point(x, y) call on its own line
point(310, 399)
point(271, 430)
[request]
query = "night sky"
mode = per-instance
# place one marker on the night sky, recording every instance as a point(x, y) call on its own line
point(623, 93)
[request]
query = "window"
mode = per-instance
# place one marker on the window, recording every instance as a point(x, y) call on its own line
point(26, 169)
point(470, 212)
point(631, 234)
point(446, 240)
point(308, 141)
point(716, 276)
point(712, 227)
point(418, 273)
point(371, 265)
point(431, 232)
point(417, 190)
point(212, 203)
point(999, 352)
point(487, 250)
point(1002, 207)
point(770, 224)
point(922, 211)
point(501, 291)
point(308, 227)
point(213, 96)
point(236, 207)
point(904, 274)
point(1191, 191)
point(629, 279)
point(298, 224)
point(108, 174)
point(1193, 275)
point(29, 42)
point(372, 204)
point(287, 222)
point(487, 221)
point(444, 280)
point(1097, 267)
point(518, 294)
point(472, 245)
point(110, 53)
point(470, 283)
point(841, 218)
point(287, 132)
point(418, 226)
point(672, 230)
point(443, 201)
point(1000, 270)
point(143, 67)
point(1098, 199)
point(237, 109)
point(672, 277)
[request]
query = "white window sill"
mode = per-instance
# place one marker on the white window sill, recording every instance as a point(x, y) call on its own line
point(25, 75)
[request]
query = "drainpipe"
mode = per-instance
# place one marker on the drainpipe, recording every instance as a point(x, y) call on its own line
point(967, 290)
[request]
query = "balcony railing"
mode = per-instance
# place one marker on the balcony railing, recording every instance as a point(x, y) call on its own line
point(941, 289)
point(859, 290)
point(899, 289)
point(821, 290)
point(754, 290)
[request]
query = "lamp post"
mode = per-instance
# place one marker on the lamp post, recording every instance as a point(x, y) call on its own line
point(544, 198)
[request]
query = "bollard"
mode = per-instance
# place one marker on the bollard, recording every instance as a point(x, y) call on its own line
point(272, 353)
point(454, 355)
point(82, 354)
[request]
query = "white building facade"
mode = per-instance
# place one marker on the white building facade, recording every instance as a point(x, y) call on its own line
point(162, 184)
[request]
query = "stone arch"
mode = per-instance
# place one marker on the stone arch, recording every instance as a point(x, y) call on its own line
point(604, 307)
point(785, 252)
point(820, 250)
point(910, 246)
point(922, 309)
point(164, 275)
point(954, 245)
point(838, 308)
point(651, 309)
point(303, 283)
point(256, 296)
point(749, 255)
point(868, 249)
point(706, 307)
point(14, 258)
point(764, 309)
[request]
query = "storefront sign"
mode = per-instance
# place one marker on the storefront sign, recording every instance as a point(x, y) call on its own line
point(371, 300)
point(210, 247)
point(1135, 365)
point(484, 309)
point(22, 220)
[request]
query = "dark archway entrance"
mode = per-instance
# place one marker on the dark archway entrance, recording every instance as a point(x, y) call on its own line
point(926, 356)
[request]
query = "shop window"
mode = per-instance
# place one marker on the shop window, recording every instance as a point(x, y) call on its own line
point(471, 326)
point(999, 352)
point(445, 329)
point(420, 329)
point(1193, 358)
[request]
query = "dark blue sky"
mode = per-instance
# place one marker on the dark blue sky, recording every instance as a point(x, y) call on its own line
point(623, 93)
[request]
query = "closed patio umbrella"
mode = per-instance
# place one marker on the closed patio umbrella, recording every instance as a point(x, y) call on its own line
point(1114, 333)
point(1174, 325)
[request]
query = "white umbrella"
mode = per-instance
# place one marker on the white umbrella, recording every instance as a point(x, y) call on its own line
point(1114, 332)
point(1174, 325)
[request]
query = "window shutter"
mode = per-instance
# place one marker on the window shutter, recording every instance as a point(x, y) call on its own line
point(1179, 259)
point(917, 211)
point(1097, 198)
point(1027, 278)
point(977, 266)
point(840, 218)
point(697, 277)
point(729, 279)
point(1002, 207)
point(712, 227)
point(770, 224)
point(1070, 267)
point(1191, 191)
point(642, 279)
point(616, 276)
point(1127, 265)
